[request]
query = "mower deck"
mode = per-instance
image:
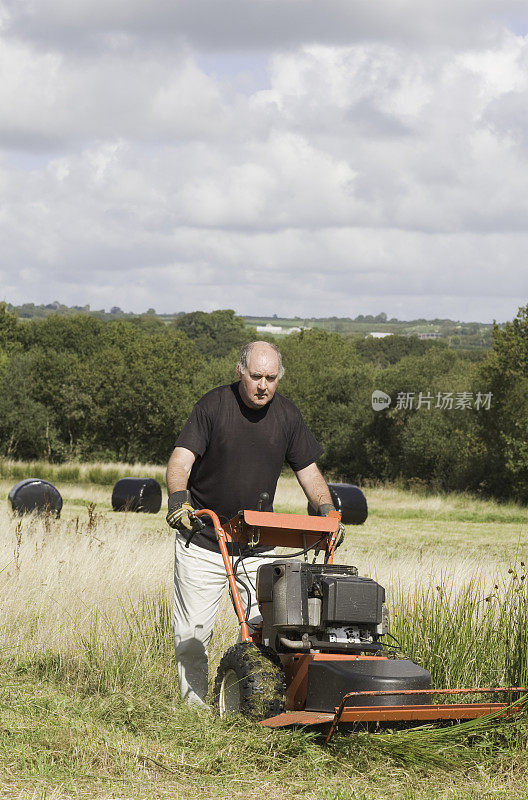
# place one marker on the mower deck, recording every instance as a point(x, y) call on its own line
point(377, 706)
point(418, 713)
point(423, 712)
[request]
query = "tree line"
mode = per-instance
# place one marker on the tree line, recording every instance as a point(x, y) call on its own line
point(79, 388)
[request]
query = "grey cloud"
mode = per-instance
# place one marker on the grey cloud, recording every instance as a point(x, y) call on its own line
point(20, 138)
point(506, 116)
point(269, 24)
point(208, 270)
point(373, 121)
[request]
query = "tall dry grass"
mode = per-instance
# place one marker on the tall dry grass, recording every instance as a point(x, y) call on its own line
point(91, 592)
point(85, 592)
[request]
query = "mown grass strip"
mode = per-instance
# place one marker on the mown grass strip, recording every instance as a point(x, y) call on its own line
point(507, 515)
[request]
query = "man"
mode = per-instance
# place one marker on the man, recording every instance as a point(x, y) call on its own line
point(234, 445)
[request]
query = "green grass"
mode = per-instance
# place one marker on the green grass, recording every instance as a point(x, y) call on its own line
point(469, 634)
point(99, 474)
point(110, 724)
point(514, 516)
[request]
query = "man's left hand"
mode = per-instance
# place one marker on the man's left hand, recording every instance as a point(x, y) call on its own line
point(323, 511)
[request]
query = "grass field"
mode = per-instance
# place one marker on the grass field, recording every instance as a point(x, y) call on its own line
point(88, 700)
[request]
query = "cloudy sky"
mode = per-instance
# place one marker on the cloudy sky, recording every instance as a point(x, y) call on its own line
point(298, 157)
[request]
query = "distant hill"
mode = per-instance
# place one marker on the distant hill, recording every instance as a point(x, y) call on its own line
point(466, 335)
point(457, 334)
point(33, 311)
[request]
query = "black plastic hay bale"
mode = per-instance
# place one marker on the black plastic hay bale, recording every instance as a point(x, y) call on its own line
point(349, 501)
point(137, 494)
point(34, 494)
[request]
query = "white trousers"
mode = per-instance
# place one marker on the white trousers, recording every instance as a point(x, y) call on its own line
point(199, 580)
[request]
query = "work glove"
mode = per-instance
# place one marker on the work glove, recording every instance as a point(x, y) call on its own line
point(179, 509)
point(323, 511)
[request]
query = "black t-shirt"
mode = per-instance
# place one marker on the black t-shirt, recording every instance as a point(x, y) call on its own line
point(240, 452)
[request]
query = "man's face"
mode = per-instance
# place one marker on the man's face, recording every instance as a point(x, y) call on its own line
point(259, 381)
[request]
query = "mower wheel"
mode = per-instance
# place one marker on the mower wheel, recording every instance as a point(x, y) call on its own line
point(249, 681)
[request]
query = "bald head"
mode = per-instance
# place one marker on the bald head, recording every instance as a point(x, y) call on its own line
point(259, 369)
point(266, 347)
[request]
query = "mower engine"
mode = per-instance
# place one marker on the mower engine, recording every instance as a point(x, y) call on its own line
point(333, 615)
point(320, 607)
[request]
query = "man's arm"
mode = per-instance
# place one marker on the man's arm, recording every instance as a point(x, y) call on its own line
point(315, 488)
point(178, 468)
point(180, 507)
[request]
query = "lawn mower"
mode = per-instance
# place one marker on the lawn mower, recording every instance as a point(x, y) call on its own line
point(320, 655)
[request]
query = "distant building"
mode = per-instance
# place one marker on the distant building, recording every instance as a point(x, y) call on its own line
point(276, 330)
point(379, 334)
point(269, 328)
point(429, 335)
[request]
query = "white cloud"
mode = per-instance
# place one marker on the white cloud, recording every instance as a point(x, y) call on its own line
point(53, 100)
point(388, 173)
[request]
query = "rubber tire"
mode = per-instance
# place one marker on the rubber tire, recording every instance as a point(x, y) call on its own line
point(249, 681)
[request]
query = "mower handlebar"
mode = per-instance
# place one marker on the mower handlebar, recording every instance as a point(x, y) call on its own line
point(206, 512)
point(271, 529)
point(264, 528)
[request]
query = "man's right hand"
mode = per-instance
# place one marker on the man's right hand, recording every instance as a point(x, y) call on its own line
point(179, 509)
